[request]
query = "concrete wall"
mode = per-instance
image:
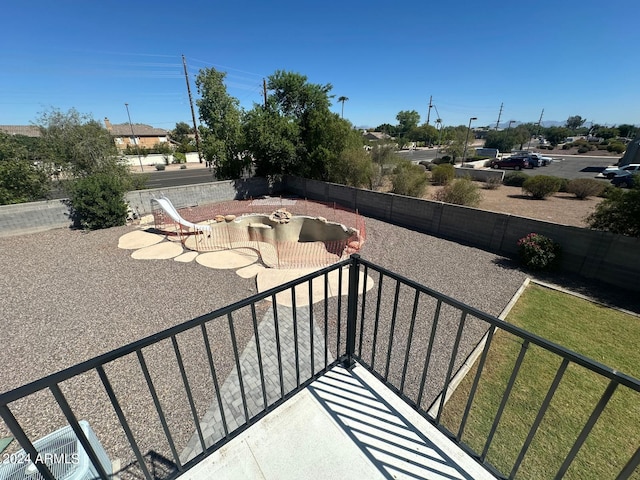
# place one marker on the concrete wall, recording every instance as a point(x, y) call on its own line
point(614, 259)
point(33, 217)
point(38, 216)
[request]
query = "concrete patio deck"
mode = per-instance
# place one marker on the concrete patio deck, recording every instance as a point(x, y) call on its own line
point(346, 424)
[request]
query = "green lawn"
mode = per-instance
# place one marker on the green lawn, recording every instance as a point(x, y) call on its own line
point(607, 336)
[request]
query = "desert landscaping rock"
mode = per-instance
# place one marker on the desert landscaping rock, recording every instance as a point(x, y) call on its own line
point(139, 239)
point(186, 257)
point(228, 259)
point(160, 251)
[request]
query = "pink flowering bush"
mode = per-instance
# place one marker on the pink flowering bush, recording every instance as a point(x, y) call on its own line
point(538, 252)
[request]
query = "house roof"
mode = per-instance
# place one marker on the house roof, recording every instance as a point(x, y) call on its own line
point(139, 130)
point(376, 135)
point(26, 130)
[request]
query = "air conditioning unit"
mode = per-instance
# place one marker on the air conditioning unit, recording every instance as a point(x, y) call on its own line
point(63, 454)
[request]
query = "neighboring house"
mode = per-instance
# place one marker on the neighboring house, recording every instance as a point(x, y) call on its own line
point(375, 136)
point(143, 135)
point(26, 130)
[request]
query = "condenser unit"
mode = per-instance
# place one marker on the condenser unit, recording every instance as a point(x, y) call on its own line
point(63, 454)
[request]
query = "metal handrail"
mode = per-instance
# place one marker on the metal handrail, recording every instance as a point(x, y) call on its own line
point(348, 351)
point(494, 324)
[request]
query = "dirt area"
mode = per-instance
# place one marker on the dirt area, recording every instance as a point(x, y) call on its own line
point(562, 208)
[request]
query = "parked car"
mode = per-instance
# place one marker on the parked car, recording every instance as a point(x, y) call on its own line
point(535, 159)
point(539, 160)
point(516, 162)
point(615, 171)
point(625, 180)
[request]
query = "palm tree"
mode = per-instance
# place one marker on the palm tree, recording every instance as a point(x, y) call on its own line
point(343, 99)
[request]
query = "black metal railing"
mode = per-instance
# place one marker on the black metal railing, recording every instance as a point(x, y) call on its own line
point(415, 340)
point(420, 343)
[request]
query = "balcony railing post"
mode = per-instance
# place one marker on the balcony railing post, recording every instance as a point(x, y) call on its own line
point(352, 309)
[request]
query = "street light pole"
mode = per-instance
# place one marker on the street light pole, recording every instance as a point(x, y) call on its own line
point(466, 141)
point(133, 135)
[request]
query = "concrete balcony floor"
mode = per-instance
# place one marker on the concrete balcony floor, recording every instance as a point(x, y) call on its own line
point(347, 424)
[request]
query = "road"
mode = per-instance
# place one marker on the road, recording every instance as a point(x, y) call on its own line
point(573, 166)
point(173, 177)
point(569, 166)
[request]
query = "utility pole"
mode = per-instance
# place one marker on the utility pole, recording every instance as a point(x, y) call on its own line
point(264, 92)
point(133, 137)
point(499, 115)
point(429, 111)
point(537, 128)
point(193, 113)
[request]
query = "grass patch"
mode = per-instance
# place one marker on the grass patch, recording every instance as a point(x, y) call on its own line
point(605, 335)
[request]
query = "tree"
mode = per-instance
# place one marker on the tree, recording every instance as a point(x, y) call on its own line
point(295, 132)
point(21, 181)
point(407, 119)
point(424, 133)
point(619, 212)
point(74, 142)
point(575, 122)
point(387, 128)
point(222, 140)
point(503, 140)
point(456, 138)
point(626, 130)
point(342, 100)
point(353, 167)
point(556, 135)
point(384, 161)
point(182, 136)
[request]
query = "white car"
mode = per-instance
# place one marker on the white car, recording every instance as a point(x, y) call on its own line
point(616, 171)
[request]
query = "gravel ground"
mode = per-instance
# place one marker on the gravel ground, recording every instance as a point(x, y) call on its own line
point(68, 296)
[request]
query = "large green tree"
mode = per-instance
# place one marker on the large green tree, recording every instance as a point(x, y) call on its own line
point(575, 122)
point(407, 120)
point(556, 135)
point(181, 136)
point(295, 132)
point(21, 181)
point(222, 142)
point(74, 142)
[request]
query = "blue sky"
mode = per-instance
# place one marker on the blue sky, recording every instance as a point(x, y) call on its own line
point(564, 56)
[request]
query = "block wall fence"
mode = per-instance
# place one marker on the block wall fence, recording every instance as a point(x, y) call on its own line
point(614, 259)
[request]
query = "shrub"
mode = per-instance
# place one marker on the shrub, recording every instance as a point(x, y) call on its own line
point(585, 187)
point(409, 179)
point(564, 182)
point(514, 179)
point(97, 201)
point(538, 252)
point(440, 161)
point(160, 166)
point(541, 186)
point(179, 157)
point(443, 174)
point(461, 191)
point(619, 212)
point(492, 183)
point(583, 149)
point(616, 147)
point(567, 146)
